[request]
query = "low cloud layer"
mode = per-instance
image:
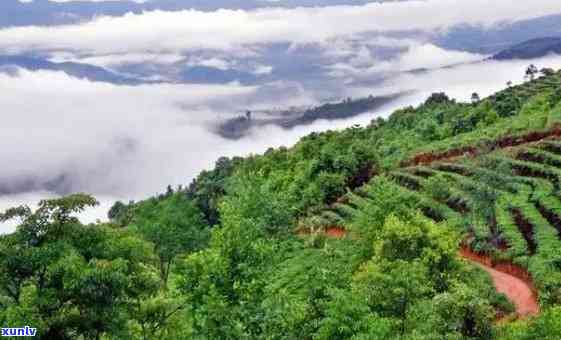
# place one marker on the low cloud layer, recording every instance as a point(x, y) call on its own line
point(165, 32)
point(81, 136)
point(363, 64)
point(130, 142)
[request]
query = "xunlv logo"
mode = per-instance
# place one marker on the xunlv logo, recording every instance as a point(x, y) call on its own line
point(21, 331)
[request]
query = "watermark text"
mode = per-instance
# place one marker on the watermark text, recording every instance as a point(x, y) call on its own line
point(19, 331)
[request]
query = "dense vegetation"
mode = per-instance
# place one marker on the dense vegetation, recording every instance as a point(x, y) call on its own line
point(241, 252)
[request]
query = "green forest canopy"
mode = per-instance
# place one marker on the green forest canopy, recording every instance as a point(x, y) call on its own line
point(240, 253)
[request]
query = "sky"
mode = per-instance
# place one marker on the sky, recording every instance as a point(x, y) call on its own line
point(64, 134)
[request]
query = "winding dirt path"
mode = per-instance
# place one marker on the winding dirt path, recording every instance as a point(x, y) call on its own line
point(516, 290)
point(510, 280)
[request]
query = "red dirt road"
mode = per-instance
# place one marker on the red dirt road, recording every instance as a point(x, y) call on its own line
point(510, 280)
point(517, 291)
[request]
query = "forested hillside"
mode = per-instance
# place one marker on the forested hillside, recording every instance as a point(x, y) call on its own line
point(352, 234)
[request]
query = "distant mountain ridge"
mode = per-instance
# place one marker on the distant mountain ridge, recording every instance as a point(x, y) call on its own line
point(238, 127)
point(78, 70)
point(534, 48)
point(189, 74)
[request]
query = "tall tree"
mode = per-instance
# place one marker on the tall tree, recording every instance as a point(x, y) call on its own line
point(174, 225)
point(72, 281)
point(531, 72)
point(475, 98)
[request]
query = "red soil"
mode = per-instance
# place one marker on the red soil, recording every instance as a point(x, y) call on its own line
point(335, 232)
point(509, 279)
point(331, 232)
point(529, 138)
point(505, 142)
point(429, 157)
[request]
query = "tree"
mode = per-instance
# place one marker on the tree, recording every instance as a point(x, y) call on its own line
point(252, 197)
point(72, 281)
point(546, 326)
point(116, 210)
point(345, 305)
point(437, 98)
point(209, 187)
point(547, 71)
point(507, 104)
point(224, 283)
point(475, 98)
point(174, 225)
point(428, 128)
point(391, 288)
point(412, 261)
point(155, 312)
point(121, 213)
point(462, 312)
point(555, 97)
point(419, 239)
point(386, 198)
point(531, 72)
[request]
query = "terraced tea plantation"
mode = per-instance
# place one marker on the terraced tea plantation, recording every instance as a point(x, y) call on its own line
point(498, 185)
point(507, 203)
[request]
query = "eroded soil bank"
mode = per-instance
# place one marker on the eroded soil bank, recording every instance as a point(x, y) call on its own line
point(509, 279)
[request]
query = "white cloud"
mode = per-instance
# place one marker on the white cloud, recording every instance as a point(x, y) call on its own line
point(418, 56)
point(427, 56)
point(173, 32)
point(118, 59)
point(218, 63)
point(119, 140)
point(262, 69)
point(461, 81)
point(89, 131)
point(137, 1)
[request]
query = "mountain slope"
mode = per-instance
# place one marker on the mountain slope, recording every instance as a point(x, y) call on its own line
point(531, 49)
point(242, 252)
